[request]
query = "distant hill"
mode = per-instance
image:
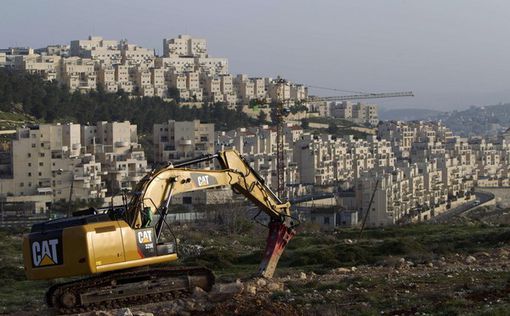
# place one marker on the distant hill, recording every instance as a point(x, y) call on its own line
point(478, 120)
point(407, 114)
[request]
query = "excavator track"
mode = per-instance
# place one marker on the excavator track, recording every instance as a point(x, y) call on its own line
point(127, 288)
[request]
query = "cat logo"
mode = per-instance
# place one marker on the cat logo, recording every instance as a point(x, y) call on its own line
point(145, 236)
point(203, 180)
point(45, 252)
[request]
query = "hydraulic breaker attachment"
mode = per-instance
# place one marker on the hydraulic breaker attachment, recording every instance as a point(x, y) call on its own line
point(277, 239)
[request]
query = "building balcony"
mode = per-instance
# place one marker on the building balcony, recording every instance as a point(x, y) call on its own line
point(185, 142)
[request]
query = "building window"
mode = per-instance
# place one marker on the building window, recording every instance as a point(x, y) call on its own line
point(29, 155)
point(21, 184)
point(41, 164)
point(326, 220)
point(30, 164)
point(33, 145)
point(30, 174)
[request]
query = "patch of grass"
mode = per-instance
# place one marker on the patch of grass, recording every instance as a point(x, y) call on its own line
point(12, 120)
point(19, 295)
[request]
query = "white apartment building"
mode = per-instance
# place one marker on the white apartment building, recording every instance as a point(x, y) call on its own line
point(45, 66)
point(176, 64)
point(83, 48)
point(55, 50)
point(212, 65)
point(106, 78)
point(278, 90)
point(115, 145)
point(175, 141)
point(400, 193)
point(356, 112)
point(184, 46)
point(78, 73)
point(47, 162)
point(134, 55)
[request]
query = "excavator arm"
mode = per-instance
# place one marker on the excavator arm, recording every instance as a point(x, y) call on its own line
point(154, 193)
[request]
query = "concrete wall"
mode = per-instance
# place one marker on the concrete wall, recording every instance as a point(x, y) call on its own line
point(501, 196)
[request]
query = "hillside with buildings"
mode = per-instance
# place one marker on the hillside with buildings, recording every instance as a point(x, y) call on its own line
point(478, 120)
point(185, 73)
point(131, 109)
point(415, 170)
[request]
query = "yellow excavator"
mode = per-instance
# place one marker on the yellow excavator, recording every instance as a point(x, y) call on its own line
point(116, 247)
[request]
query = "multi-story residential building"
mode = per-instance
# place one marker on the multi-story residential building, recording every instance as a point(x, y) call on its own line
point(115, 145)
point(78, 73)
point(133, 55)
point(181, 140)
point(45, 66)
point(55, 50)
point(48, 165)
point(106, 78)
point(212, 66)
point(95, 47)
point(355, 112)
point(259, 88)
point(245, 88)
point(176, 64)
point(401, 193)
point(298, 92)
point(184, 46)
point(278, 90)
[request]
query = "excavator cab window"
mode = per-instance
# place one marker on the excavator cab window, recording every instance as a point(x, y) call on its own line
point(146, 216)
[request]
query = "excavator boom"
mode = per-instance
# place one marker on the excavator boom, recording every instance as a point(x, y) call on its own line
point(155, 192)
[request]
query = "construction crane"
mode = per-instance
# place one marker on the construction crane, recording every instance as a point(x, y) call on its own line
point(363, 96)
point(282, 110)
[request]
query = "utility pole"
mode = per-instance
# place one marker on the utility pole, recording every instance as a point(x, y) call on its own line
point(70, 195)
point(281, 113)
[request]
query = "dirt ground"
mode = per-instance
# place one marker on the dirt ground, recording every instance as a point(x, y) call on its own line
point(478, 284)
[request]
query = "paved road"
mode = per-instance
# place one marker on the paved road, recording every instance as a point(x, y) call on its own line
point(456, 211)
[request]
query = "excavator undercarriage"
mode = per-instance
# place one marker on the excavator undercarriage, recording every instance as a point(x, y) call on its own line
point(128, 287)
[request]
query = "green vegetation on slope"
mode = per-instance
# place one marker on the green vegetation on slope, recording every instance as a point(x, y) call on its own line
point(337, 127)
point(12, 120)
point(49, 102)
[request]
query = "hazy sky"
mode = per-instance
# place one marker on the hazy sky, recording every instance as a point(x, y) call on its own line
point(451, 53)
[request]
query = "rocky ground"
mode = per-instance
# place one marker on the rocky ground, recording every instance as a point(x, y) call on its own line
point(459, 268)
point(473, 284)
